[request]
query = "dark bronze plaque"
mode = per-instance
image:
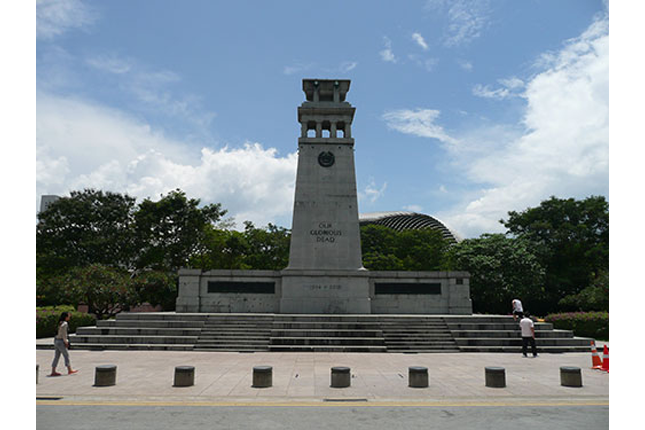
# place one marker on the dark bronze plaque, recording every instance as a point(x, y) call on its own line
point(326, 159)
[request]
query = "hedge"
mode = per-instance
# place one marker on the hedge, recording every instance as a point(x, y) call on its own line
point(47, 320)
point(583, 324)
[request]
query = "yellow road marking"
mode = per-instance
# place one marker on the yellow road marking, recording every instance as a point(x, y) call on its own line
point(343, 403)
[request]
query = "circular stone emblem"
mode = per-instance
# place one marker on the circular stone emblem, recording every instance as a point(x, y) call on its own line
point(326, 159)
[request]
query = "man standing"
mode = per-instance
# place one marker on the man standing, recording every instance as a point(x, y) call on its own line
point(517, 309)
point(528, 334)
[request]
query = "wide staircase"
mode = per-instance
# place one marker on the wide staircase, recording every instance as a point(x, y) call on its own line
point(491, 333)
point(318, 333)
point(241, 333)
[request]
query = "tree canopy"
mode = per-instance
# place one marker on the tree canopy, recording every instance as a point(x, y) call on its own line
point(103, 247)
point(501, 269)
point(571, 240)
point(414, 250)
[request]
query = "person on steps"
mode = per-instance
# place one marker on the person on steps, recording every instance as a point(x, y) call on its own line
point(61, 344)
point(528, 335)
point(517, 309)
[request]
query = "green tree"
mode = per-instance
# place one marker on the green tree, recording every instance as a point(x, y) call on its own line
point(267, 248)
point(570, 238)
point(254, 248)
point(88, 227)
point(501, 269)
point(105, 290)
point(386, 249)
point(172, 230)
point(222, 249)
point(156, 288)
point(595, 297)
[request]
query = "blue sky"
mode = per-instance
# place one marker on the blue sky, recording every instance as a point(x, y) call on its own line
point(465, 109)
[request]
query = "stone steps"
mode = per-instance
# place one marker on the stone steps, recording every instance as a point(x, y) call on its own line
point(150, 324)
point(78, 340)
point(137, 331)
point(484, 342)
point(327, 348)
point(320, 341)
point(330, 333)
point(510, 334)
point(544, 349)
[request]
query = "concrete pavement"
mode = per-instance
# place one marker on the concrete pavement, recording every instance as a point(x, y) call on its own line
point(225, 378)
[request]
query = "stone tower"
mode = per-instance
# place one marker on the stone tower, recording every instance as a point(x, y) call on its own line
point(325, 229)
point(325, 272)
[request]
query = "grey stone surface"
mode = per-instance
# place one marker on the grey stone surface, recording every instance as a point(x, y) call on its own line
point(380, 377)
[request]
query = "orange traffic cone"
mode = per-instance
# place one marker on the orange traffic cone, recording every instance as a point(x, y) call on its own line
point(605, 359)
point(596, 362)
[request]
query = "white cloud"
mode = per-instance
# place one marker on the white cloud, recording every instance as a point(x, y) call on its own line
point(152, 89)
point(563, 149)
point(413, 208)
point(560, 147)
point(82, 145)
point(511, 87)
point(418, 122)
point(465, 65)
point(297, 67)
point(418, 38)
point(372, 192)
point(55, 17)
point(427, 63)
point(488, 93)
point(110, 63)
point(386, 54)
point(348, 66)
point(466, 19)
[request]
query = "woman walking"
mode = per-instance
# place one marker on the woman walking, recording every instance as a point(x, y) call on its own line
point(61, 343)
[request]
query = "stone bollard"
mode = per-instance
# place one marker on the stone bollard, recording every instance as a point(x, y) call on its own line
point(184, 376)
point(262, 376)
point(105, 375)
point(495, 377)
point(570, 377)
point(417, 377)
point(340, 377)
point(37, 367)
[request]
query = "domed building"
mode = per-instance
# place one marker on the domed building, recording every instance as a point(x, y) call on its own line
point(403, 220)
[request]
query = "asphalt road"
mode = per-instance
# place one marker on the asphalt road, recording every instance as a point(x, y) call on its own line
point(351, 416)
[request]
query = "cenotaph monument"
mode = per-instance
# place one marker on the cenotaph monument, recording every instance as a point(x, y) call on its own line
point(325, 274)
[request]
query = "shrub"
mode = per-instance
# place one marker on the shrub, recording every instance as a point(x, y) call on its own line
point(584, 324)
point(47, 320)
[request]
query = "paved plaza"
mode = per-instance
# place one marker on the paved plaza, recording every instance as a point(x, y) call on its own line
point(304, 378)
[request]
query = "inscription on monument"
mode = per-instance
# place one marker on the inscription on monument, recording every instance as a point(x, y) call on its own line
point(325, 233)
point(323, 286)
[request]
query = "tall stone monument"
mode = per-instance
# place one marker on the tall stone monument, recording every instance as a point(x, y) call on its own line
point(325, 274)
point(325, 229)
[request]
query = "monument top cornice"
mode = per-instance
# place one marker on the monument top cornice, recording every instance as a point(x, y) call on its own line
point(325, 90)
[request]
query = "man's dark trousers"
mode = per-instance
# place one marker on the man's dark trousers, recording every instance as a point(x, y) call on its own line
point(525, 342)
